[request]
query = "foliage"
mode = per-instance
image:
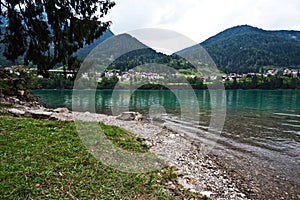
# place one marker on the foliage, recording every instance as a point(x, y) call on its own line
point(20, 79)
point(142, 55)
point(54, 82)
point(269, 83)
point(189, 72)
point(108, 83)
point(152, 86)
point(240, 49)
point(145, 56)
point(49, 32)
point(244, 49)
point(59, 82)
point(124, 140)
point(46, 159)
point(196, 83)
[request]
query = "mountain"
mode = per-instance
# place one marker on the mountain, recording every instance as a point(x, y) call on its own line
point(119, 50)
point(83, 52)
point(239, 49)
point(288, 34)
point(246, 48)
point(127, 52)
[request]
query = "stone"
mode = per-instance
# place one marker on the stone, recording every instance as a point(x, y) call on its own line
point(158, 120)
point(21, 92)
point(171, 185)
point(138, 116)
point(16, 112)
point(61, 110)
point(180, 173)
point(206, 193)
point(130, 116)
point(126, 116)
point(193, 190)
point(38, 114)
point(149, 143)
point(15, 101)
point(242, 195)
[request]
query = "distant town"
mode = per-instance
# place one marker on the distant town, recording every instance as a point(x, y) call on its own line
point(152, 76)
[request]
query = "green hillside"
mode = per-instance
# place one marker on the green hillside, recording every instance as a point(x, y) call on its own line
point(120, 48)
point(245, 48)
point(288, 34)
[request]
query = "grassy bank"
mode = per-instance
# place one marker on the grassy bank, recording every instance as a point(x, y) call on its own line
point(46, 159)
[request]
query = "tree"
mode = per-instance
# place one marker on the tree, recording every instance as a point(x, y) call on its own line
point(48, 32)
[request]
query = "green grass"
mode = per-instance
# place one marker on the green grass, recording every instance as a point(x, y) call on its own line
point(47, 160)
point(123, 139)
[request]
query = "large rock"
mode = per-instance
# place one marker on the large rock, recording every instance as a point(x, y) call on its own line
point(129, 116)
point(138, 116)
point(16, 112)
point(61, 110)
point(38, 114)
point(15, 100)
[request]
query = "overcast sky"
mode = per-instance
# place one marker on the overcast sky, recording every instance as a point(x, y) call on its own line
point(200, 19)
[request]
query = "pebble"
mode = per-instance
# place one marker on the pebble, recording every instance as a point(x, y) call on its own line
point(206, 193)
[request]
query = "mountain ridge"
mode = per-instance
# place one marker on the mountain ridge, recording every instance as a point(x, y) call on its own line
point(240, 29)
point(241, 48)
point(245, 48)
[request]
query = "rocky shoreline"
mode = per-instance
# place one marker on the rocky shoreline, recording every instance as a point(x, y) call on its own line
point(196, 172)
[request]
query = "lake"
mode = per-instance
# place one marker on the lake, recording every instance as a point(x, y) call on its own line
point(260, 139)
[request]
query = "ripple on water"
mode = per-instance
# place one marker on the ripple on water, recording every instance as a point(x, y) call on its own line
point(287, 114)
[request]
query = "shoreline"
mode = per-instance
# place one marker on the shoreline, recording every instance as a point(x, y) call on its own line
point(196, 172)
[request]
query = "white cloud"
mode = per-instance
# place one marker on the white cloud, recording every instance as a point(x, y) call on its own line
point(200, 19)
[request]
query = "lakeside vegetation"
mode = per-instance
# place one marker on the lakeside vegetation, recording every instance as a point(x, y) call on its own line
point(46, 159)
point(264, 83)
point(245, 83)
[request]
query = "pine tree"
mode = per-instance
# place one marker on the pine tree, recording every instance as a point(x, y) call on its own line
point(48, 32)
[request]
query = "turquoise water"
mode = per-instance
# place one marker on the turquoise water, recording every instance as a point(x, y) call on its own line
point(260, 137)
point(254, 100)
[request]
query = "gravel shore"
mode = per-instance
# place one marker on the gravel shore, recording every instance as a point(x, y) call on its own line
point(196, 172)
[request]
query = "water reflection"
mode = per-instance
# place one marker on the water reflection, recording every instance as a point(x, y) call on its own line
point(252, 100)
